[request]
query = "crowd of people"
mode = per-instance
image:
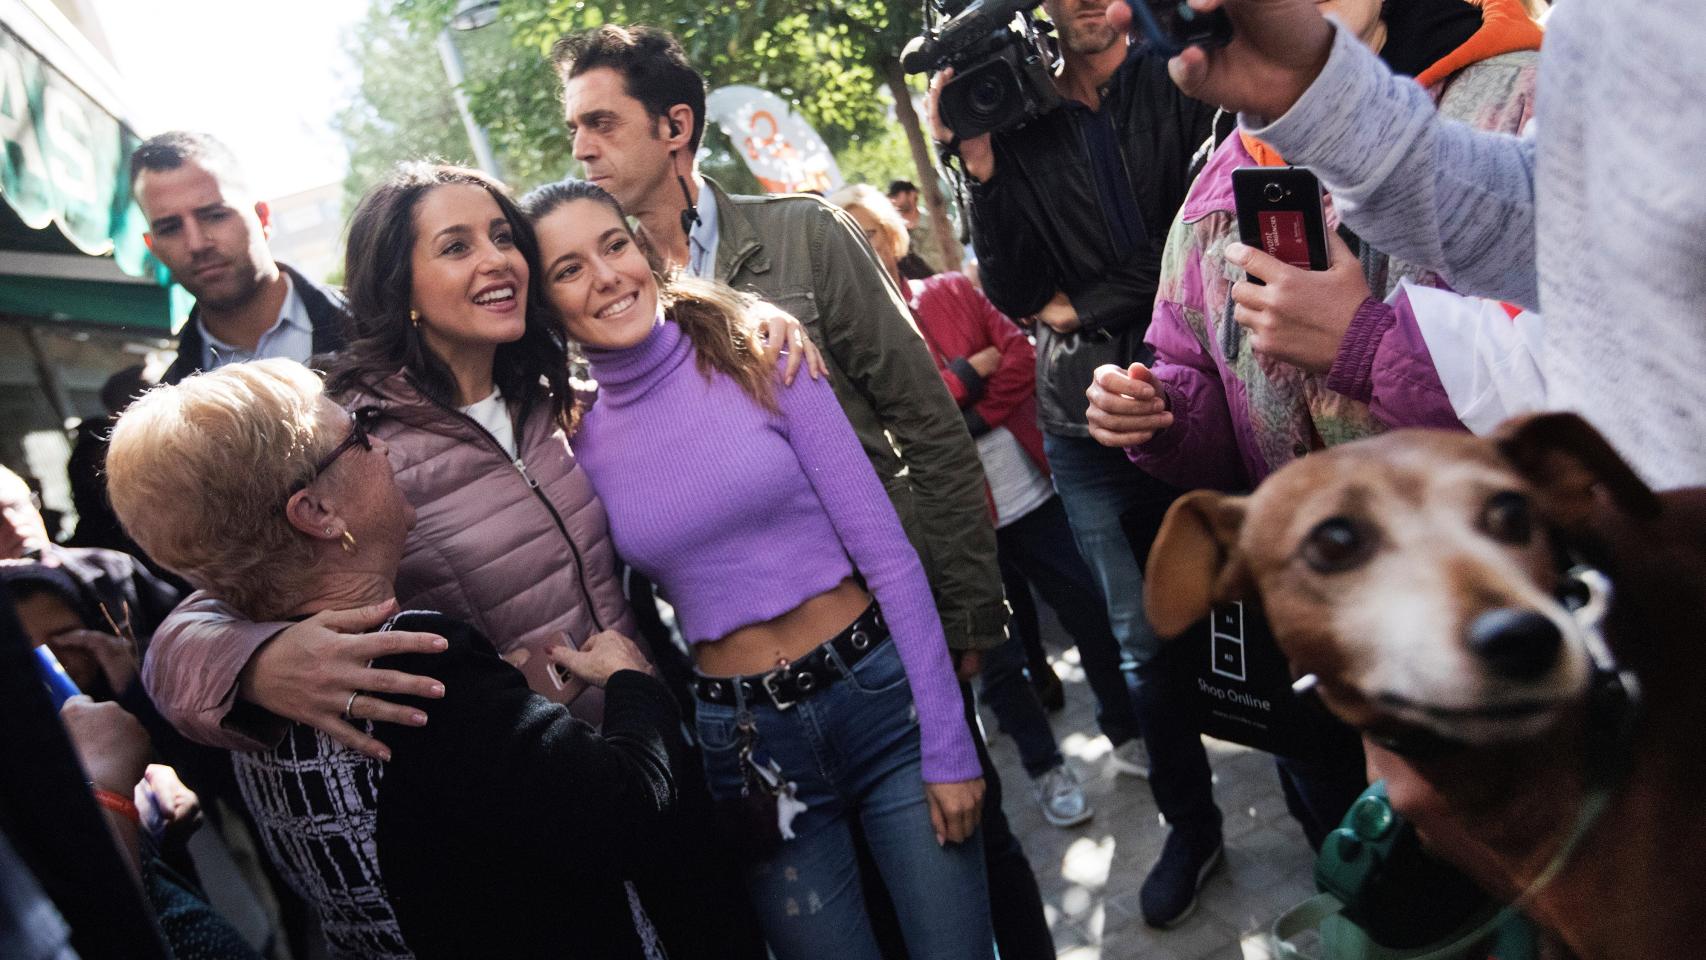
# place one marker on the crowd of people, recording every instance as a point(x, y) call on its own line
point(678, 659)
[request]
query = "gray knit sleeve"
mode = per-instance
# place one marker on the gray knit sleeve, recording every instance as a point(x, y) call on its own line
point(1417, 186)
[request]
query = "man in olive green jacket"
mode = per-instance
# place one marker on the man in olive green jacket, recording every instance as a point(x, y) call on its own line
point(636, 134)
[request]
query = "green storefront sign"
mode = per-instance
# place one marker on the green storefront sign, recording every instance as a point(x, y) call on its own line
point(65, 164)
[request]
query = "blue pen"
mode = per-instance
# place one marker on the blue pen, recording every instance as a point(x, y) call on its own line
point(59, 684)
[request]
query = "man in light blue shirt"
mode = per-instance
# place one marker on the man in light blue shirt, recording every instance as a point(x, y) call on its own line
point(291, 335)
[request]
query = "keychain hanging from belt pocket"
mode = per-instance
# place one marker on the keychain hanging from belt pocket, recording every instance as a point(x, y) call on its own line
point(765, 811)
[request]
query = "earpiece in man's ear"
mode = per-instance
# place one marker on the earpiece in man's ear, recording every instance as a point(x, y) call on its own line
point(674, 127)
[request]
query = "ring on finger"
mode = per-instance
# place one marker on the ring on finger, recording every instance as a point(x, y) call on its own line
point(349, 706)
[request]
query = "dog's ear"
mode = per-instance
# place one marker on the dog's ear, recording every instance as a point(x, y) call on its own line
point(1567, 460)
point(1194, 561)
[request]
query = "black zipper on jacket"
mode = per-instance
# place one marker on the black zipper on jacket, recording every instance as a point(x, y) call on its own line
point(533, 485)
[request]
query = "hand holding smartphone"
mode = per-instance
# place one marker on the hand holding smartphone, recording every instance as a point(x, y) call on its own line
point(1281, 213)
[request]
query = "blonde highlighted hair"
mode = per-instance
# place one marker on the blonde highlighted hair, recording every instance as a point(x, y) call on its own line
point(715, 317)
point(199, 473)
point(891, 228)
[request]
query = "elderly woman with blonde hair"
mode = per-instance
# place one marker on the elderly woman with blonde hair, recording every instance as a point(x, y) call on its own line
point(251, 483)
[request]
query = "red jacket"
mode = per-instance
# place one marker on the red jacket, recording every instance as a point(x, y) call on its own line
point(957, 321)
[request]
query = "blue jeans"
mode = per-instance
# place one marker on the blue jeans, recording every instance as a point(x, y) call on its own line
point(1098, 485)
point(852, 751)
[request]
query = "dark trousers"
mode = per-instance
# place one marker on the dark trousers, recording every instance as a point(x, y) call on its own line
point(692, 887)
point(1319, 790)
point(1015, 902)
point(1039, 546)
point(1010, 694)
point(1024, 626)
point(1179, 775)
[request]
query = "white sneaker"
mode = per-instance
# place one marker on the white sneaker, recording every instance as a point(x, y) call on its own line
point(1062, 797)
point(1131, 758)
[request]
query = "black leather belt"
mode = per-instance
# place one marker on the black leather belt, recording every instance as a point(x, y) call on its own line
point(787, 685)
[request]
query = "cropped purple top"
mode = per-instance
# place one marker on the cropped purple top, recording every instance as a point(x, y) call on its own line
point(740, 515)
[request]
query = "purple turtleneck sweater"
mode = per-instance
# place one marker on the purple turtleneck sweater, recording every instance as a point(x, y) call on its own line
point(740, 515)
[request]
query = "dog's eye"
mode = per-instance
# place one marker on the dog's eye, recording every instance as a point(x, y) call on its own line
point(1337, 544)
point(1507, 518)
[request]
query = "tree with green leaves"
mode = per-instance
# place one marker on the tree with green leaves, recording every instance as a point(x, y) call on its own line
point(404, 109)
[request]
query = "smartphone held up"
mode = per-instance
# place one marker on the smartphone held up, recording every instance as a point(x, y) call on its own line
point(1281, 213)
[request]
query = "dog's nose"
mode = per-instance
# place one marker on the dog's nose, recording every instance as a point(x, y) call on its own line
point(1517, 644)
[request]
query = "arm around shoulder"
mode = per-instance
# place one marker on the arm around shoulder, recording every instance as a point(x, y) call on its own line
point(192, 667)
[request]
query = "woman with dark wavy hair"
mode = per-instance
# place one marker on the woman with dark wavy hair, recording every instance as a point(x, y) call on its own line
point(511, 344)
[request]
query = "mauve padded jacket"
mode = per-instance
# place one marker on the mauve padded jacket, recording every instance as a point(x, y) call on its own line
point(486, 549)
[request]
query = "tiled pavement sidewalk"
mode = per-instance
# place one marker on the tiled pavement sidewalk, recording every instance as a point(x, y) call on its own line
point(1090, 874)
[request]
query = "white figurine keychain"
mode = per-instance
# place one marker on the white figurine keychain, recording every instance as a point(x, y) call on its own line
point(788, 805)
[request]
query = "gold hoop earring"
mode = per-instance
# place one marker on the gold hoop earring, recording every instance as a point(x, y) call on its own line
point(349, 543)
point(415, 318)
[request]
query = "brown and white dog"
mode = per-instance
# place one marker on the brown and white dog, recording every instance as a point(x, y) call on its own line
point(1417, 576)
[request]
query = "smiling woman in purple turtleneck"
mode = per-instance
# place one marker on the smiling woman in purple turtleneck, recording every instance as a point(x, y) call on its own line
point(755, 510)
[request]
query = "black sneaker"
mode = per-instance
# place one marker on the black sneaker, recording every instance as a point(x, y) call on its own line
point(1170, 891)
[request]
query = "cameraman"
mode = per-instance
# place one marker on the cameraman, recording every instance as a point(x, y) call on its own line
point(1069, 215)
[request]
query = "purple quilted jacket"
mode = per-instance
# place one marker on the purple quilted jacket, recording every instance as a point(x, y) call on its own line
point(1238, 416)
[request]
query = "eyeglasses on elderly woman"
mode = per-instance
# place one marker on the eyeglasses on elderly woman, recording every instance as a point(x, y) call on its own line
point(359, 421)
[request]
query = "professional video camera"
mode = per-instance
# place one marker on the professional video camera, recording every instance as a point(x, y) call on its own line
point(1002, 62)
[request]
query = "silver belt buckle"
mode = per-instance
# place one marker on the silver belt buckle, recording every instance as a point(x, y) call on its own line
point(768, 682)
